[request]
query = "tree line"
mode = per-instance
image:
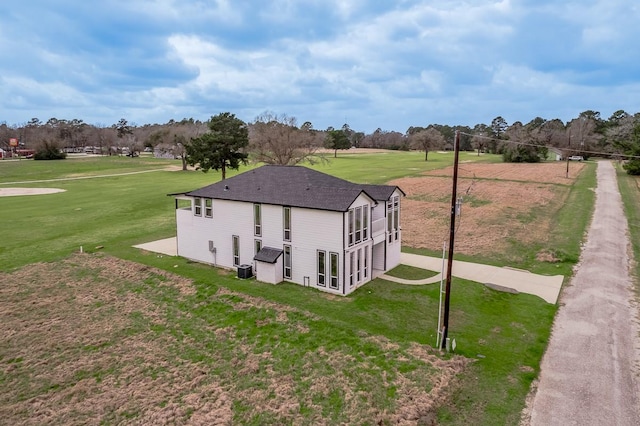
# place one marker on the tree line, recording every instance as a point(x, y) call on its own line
point(280, 139)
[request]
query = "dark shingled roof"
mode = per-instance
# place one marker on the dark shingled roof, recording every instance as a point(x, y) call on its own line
point(268, 255)
point(294, 186)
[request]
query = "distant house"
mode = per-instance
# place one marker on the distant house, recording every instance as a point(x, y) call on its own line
point(295, 224)
point(556, 154)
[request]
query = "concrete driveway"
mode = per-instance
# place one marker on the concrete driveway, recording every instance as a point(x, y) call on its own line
point(516, 280)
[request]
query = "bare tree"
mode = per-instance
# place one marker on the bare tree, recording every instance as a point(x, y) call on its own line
point(480, 137)
point(551, 133)
point(386, 139)
point(583, 132)
point(103, 137)
point(427, 140)
point(277, 139)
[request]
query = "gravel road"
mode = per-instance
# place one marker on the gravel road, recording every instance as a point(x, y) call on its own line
point(590, 372)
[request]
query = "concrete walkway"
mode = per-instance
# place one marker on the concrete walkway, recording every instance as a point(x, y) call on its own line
point(543, 286)
point(546, 287)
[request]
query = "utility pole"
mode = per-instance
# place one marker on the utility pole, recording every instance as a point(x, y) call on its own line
point(452, 233)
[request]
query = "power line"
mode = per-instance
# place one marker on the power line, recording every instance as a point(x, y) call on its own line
point(550, 147)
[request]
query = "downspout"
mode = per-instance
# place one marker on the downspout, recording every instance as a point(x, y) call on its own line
point(176, 218)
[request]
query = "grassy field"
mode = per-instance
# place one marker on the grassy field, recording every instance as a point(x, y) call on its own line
point(503, 334)
point(630, 191)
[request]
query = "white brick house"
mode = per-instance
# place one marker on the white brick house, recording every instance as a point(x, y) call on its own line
point(292, 223)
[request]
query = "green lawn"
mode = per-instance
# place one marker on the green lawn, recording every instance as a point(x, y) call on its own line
point(630, 192)
point(504, 333)
point(379, 168)
point(25, 170)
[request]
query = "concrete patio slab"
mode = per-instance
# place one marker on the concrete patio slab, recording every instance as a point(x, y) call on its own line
point(168, 246)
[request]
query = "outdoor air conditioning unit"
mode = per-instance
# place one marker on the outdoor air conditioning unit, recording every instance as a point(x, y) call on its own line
point(244, 271)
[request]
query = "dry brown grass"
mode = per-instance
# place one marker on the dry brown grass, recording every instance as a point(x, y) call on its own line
point(94, 339)
point(500, 205)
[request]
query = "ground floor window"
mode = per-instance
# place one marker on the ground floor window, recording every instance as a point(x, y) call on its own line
point(352, 267)
point(333, 268)
point(257, 248)
point(365, 262)
point(287, 262)
point(322, 269)
point(236, 250)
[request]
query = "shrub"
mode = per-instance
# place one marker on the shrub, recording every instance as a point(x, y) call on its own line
point(49, 151)
point(632, 167)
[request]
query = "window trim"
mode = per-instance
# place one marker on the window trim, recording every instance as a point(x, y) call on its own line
point(208, 207)
point(197, 206)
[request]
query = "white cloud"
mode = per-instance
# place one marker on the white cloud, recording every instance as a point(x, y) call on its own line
point(232, 71)
point(381, 64)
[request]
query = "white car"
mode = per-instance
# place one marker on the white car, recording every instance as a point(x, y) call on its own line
point(576, 158)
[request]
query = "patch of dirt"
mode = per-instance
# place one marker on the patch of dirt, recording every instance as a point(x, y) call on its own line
point(552, 172)
point(502, 204)
point(546, 256)
point(12, 192)
point(95, 339)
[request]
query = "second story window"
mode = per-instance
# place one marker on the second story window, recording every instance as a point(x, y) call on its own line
point(286, 219)
point(351, 227)
point(365, 222)
point(257, 220)
point(358, 224)
point(390, 220)
point(197, 206)
point(396, 217)
point(208, 207)
point(393, 219)
point(358, 218)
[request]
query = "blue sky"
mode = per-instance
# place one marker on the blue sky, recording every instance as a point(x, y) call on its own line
point(387, 64)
